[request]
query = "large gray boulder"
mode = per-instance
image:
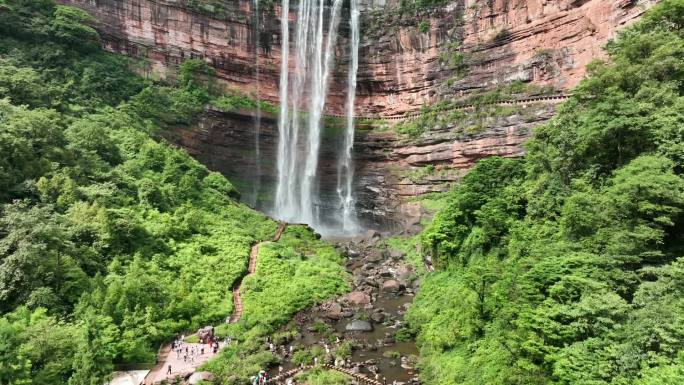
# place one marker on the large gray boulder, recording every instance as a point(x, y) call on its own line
point(359, 326)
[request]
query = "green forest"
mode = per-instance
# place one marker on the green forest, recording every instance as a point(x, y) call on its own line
point(111, 240)
point(563, 267)
point(567, 266)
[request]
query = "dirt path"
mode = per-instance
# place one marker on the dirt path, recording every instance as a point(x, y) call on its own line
point(251, 268)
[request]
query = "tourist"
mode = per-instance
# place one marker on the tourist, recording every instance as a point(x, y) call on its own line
point(315, 361)
point(202, 351)
point(169, 370)
point(291, 349)
point(280, 369)
point(185, 358)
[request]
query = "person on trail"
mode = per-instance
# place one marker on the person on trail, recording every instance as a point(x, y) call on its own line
point(315, 361)
point(202, 351)
point(291, 349)
point(185, 358)
point(280, 369)
point(168, 371)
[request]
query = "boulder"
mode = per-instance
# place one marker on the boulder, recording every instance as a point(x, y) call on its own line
point(200, 376)
point(404, 272)
point(332, 310)
point(358, 298)
point(378, 317)
point(205, 333)
point(396, 254)
point(374, 257)
point(359, 326)
point(392, 286)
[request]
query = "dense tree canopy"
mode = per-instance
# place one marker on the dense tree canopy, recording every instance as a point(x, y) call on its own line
point(111, 241)
point(565, 267)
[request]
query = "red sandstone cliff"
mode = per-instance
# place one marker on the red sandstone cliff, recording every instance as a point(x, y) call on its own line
point(546, 41)
point(401, 68)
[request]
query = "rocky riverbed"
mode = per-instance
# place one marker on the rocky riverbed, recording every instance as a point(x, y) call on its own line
point(360, 330)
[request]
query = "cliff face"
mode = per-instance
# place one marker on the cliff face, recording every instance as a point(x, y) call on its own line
point(407, 60)
point(403, 54)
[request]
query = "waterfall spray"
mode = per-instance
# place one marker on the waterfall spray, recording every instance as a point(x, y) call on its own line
point(345, 166)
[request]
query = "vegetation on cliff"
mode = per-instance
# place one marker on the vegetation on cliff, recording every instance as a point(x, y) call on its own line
point(566, 267)
point(112, 241)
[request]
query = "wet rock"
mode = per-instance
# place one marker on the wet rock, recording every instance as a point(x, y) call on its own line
point(332, 310)
point(378, 317)
point(359, 326)
point(347, 314)
point(374, 257)
point(200, 376)
point(404, 272)
point(396, 254)
point(392, 286)
point(358, 298)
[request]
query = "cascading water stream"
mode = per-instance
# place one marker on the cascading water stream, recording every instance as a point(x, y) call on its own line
point(345, 167)
point(297, 170)
point(257, 119)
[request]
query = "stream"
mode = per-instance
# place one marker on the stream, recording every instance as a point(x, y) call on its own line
point(367, 318)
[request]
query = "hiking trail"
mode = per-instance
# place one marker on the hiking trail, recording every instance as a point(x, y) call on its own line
point(251, 268)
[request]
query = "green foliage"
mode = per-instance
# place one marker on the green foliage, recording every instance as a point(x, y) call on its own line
point(565, 267)
point(319, 376)
point(234, 100)
point(408, 5)
point(111, 242)
point(70, 25)
point(291, 275)
point(424, 26)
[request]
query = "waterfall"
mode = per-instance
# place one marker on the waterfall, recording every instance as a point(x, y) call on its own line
point(345, 167)
point(296, 190)
point(257, 119)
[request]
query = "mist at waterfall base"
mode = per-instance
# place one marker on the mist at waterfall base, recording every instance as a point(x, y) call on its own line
point(303, 93)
